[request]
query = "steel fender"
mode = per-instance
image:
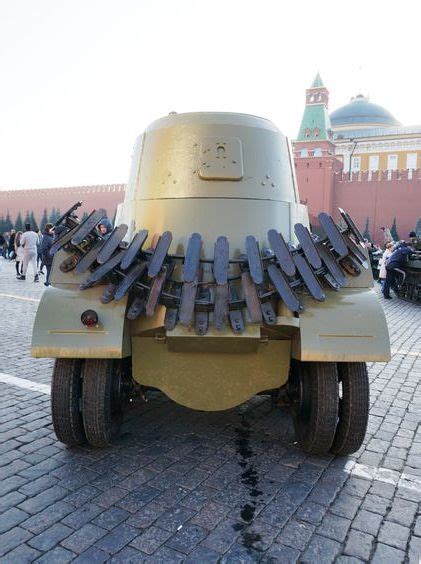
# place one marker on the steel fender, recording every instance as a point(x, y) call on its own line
point(59, 333)
point(350, 326)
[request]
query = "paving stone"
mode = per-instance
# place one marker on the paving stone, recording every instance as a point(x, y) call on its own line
point(11, 518)
point(186, 538)
point(321, 549)
point(151, 539)
point(82, 515)
point(49, 538)
point(146, 516)
point(367, 522)
point(240, 553)
point(280, 553)
point(167, 555)
point(83, 538)
point(42, 500)
point(311, 512)
point(385, 554)
point(296, 534)
point(345, 506)
point(117, 538)
point(128, 555)
point(376, 504)
point(111, 518)
point(402, 512)
point(394, 535)
point(203, 555)
point(22, 554)
point(334, 527)
point(414, 553)
point(210, 515)
point(41, 521)
point(223, 536)
point(359, 544)
point(58, 555)
point(13, 538)
point(11, 483)
point(92, 555)
point(138, 498)
point(174, 518)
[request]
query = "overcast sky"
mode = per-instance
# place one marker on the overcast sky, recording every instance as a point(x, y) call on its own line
point(80, 79)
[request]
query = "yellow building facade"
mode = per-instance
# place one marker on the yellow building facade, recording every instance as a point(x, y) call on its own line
point(368, 138)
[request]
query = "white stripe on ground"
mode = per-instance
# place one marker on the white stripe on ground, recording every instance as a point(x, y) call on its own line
point(402, 480)
point(24, 383)
point(406, 353)
point(19, 297)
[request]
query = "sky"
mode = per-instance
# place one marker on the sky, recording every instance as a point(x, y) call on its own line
point(80, 79)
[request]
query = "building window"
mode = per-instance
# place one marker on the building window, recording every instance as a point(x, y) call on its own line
point(312, 98)
point(392, 162)
point(307, 132)
point(373, 163)
point(318, 152)
point(316, 132)
point(411, 160)
point(356, 164)
point(304, 153)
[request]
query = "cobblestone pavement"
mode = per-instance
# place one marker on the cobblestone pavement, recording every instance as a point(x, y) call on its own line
point(205, 487)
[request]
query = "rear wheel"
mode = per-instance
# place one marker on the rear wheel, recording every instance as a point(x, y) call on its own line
point(313, 388)
point(102, 401)
point(66, 391)
point(354, 399)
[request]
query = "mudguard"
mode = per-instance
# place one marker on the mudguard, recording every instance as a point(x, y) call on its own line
point(59, 333)
point(349, 327)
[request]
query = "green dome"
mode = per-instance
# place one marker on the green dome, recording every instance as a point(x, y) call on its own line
point(360, 111)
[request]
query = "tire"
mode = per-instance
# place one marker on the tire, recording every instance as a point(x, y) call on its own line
point(354, 403)
point(102, 414)
point(314, 390)
point(66, 392)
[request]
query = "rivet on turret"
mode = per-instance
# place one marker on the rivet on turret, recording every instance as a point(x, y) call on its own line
point(273, 185)
point(234, 162)
point(263, 183)
point(268, 176)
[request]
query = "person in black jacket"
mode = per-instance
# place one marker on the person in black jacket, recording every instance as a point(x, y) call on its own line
point(396, 262)
point(47, 259)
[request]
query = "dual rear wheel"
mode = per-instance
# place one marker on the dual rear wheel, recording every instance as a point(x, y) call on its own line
point(330, 405)
point(87, 400)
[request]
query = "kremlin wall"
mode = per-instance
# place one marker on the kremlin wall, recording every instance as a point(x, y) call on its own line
point(338, 159)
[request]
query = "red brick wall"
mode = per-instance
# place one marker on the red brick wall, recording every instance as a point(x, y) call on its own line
point(93, 197)
point(381, 200)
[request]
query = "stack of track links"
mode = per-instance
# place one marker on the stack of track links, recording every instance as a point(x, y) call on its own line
point(255, 281)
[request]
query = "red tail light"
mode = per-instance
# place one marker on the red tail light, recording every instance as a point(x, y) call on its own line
point(89, 318)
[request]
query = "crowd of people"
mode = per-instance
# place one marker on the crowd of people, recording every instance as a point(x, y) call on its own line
point(393, 261)
point(30, 249)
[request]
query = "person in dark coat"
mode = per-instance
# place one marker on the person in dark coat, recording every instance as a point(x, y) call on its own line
point(396, 262)
point(47, 259)
point(12, 244)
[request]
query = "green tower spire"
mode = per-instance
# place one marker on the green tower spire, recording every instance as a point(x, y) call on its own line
point(317, 82)
point(315, 124)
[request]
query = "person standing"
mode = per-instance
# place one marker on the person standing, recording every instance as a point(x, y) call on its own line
point(29, 241)
point(383, 261)
point(19, 254)
point(47, 259)
point(397, 260)
point(12, 244)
